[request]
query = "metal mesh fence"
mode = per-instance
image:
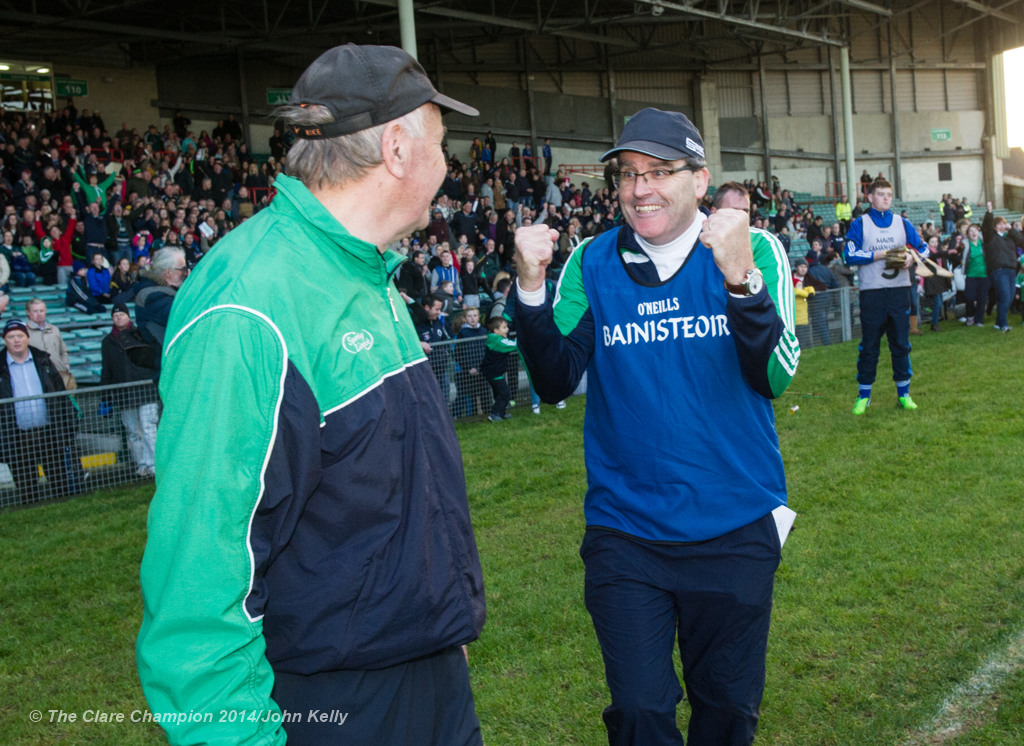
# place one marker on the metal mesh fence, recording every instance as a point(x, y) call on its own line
point(68, 443)
point(456, 365)
point(98, 437)
point(832, 316)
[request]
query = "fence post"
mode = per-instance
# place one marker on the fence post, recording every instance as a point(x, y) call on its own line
point(845, 296)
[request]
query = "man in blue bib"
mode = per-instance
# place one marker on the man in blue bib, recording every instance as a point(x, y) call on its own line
point(684, 324)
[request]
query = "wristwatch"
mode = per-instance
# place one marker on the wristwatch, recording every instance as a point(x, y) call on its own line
point(752, 283)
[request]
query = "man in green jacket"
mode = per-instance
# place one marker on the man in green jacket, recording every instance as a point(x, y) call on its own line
point(311, 572)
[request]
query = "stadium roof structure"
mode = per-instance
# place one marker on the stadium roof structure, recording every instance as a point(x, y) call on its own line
point(691, 34)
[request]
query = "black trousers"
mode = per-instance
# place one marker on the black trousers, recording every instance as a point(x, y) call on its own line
point(425, 702)
point(499, 387)
point(41, 446)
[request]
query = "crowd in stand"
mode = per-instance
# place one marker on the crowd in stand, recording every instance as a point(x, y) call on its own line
point(89, 210)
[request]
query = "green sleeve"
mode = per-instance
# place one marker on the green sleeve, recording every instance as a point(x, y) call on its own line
point(571, 302)
point(198, 652)
point(771, 258)
point(77, 175)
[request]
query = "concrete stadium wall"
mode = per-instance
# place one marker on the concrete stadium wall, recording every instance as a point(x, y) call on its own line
point(580, 124)
point(118, 94)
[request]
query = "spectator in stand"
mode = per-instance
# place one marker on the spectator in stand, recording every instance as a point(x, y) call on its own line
point(466, 221)
point(46, 268)
point(94, 230)
point(61, 243)
point(841, 272)
point(122, 281)
point(488, 263)
point(815, 229)
point(23, 188)
point(844, 213)
point(154, 294)
point(93, 190)
point(127, 357)
point(78, 295)
point(470, 282)
point(515, 155)
point(446, 272)
point(438, 228)
point(781, 219)
point(7, 249)
point(180, 123)
point(814, 252)
point(836, 239)
point(48, 338)
point(98, 276)
point(1001, 243)
point(119, 233)
point(949, 216)
point(413, 279)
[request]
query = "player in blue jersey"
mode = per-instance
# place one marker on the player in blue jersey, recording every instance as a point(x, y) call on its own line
point(684, 324)
point(885, 292)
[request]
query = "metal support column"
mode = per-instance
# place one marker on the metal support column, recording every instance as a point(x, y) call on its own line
point(851, 167)
point(764, 121)
point(244, 97)
point(407, 26)
point(837, 166)
point(897, 176)
point(529, 100)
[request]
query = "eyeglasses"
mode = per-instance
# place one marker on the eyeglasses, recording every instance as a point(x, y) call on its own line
point(184, 270)
point(628, 178)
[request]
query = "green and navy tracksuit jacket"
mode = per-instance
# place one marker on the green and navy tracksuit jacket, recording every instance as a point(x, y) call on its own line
point(679, 435)
point(311, 512)
point(495, 361)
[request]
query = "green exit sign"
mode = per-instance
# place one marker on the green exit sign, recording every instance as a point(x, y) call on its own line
point(69, 87)
point(278, 96)
point(942, 135)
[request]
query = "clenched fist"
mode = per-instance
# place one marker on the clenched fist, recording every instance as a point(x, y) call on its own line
point(727, 233)
point(534, 247)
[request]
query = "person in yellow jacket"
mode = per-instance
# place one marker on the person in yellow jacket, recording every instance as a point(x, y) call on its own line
point(844, 213)
point(802, 290)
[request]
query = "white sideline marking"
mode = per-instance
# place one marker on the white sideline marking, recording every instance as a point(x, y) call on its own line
point(968, 698)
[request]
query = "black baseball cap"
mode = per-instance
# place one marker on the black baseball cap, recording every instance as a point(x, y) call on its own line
point(363, 86)
point(669, 135)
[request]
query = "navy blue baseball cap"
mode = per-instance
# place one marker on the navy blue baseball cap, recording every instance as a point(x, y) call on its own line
point(669, 135)
point(15, 324)
point(363, 86)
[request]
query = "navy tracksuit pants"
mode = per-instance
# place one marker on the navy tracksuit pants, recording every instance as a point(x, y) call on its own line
point(884, 311)
point(715, 597)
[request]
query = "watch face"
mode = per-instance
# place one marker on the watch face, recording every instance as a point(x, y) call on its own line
point(755, 281)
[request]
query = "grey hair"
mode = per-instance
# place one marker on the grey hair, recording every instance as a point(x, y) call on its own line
point(337, 160)
point(163, 260)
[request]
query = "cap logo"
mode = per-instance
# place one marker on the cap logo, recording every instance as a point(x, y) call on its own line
point(695, 147)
